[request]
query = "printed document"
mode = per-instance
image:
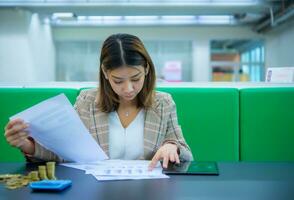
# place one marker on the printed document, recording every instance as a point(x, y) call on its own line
point(55, 125)
point(120, 169)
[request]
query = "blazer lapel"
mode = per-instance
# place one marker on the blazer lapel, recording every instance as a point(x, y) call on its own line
point(151, 130)
point(101, 123)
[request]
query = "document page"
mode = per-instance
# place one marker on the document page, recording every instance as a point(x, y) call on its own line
point(55, 125)
point(124, 168)
point(120, 169)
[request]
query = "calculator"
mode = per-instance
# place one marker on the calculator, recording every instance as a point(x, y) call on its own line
point(53, 185)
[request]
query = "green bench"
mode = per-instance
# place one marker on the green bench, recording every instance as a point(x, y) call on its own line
point(219, 124)
point(267, 124)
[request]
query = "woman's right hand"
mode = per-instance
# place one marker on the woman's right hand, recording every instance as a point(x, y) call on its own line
point(16, 136)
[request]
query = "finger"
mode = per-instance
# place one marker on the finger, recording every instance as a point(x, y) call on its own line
point(16, 128)
point(172, 158)
point(17, 135)
point(154, 161)
point(177, 158)
point(17, 142)
point(12, 129)
point(12, 123)
point(165, 161)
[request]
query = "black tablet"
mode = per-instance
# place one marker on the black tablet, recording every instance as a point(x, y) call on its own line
point(192, 168)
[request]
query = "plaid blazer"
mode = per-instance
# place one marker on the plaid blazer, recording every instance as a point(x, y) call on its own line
point(160, 126)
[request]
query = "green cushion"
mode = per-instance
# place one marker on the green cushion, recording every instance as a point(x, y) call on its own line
point(14, 100)
point(267, 124)
point(209, 118)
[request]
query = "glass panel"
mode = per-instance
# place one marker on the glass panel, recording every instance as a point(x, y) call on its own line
point(79, 60)
point(237, 60)
point(257, 54)
point(262, 54)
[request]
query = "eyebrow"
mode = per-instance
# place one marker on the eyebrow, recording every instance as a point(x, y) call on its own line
point(130, 77)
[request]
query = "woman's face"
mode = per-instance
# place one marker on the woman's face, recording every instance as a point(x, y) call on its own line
point(126, 82)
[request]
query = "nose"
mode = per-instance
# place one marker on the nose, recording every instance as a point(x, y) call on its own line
point(128, 87)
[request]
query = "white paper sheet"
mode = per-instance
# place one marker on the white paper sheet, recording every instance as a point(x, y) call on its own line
point(120, 170)
point(124, 168)
point(111, 178)
point(55, 125)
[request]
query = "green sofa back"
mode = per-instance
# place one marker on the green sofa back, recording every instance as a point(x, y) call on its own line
point(219, 124)
point(267, 124)
point(209, 118)
point(14, 100)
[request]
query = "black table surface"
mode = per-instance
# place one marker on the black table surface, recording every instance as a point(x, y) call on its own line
point(239, 180)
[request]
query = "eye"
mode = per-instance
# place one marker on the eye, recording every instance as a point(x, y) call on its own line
point(135, 80)
point(117, 82)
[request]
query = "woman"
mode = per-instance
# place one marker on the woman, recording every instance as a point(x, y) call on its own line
point(127, 118)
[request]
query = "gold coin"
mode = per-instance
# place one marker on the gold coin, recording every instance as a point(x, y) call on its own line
point(24, 182)
point(34, 176)
point(7, 176)
point(11, 187)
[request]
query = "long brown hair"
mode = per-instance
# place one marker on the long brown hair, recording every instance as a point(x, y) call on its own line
point(120, 50)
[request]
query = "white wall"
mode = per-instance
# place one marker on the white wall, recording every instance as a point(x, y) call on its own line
point(201, 60)
point(200, 36)
point(26, 48)
point(279, 46)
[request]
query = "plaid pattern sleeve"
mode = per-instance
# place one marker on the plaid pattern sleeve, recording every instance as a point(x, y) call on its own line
point(43, 154)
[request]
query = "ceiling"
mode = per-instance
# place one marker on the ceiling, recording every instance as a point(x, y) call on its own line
point(261, 15)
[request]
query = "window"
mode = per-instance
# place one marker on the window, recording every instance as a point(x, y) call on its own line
point(252, 61)
point(79, 60)
point(237, 60)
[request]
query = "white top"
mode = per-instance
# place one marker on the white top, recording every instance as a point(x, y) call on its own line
point(126, 143)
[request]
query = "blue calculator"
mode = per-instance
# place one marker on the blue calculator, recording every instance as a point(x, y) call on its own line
point(53, 185)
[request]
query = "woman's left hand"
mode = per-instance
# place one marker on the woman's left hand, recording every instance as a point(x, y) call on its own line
point(168, 152)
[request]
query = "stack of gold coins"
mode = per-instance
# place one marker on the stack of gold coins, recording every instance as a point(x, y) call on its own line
point(25, 180)
point(51, 170)
point(34, 176)
point(42, 172)
point(5, 177)
point(14, 181)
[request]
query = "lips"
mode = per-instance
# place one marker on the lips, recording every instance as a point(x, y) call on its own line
point(129, 96)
